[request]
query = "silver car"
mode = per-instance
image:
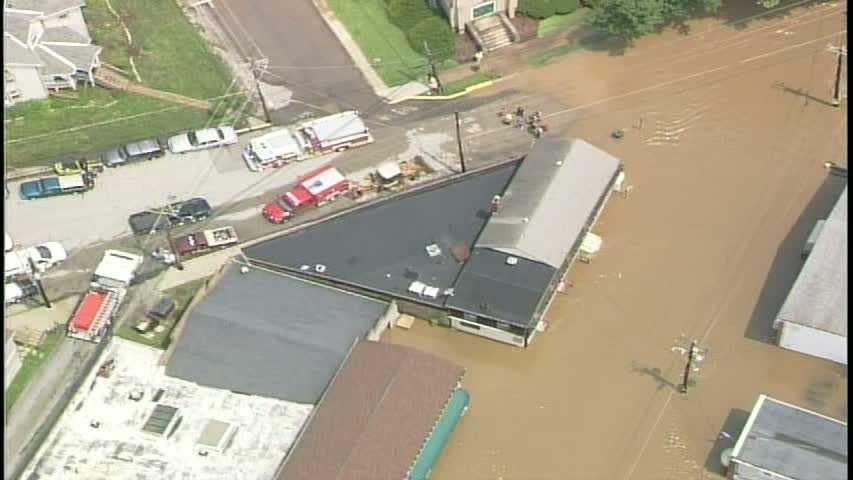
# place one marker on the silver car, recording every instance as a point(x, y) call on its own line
point(142, 150)
point(203, 139)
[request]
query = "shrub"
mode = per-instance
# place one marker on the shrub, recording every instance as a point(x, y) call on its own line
point(405, 14)
point(436, 32)
point(563, 7)
point(536, 8)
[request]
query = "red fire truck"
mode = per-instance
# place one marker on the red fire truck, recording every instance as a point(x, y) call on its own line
point(315, 189)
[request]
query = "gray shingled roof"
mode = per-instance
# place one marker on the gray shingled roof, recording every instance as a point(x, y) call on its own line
point(51, 64)
point(270, 335)
point(489, 286)
point(18, 24)
point(818, 298)
point(375, 417)
point(82, 56)
point(794, 442)
point(549, 201)
point(64, 35)
point(15, 54)
point(45, 6)
point(383, 247)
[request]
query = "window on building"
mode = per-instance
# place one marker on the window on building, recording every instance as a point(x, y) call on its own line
point(484, 9)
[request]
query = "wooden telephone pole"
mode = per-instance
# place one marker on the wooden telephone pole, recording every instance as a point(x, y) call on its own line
point(840, 53)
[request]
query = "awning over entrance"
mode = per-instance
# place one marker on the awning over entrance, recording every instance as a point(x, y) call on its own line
point(456, 408)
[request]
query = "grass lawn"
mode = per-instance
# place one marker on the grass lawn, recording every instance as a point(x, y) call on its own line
point(460, 85)
point(544, 57)
point(561, 23)
point(34, 129)
point(170, 55)
point(183, 295)
point(31, 365)
point(169, 52)
point(384, 45)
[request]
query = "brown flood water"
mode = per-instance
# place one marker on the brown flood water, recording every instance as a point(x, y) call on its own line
point(728, 180)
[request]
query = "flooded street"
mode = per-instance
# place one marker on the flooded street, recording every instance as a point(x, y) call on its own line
point(726, 134)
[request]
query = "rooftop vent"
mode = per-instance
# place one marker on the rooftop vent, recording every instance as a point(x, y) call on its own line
point(511, 260)
point(433, 250)
point(319, 268)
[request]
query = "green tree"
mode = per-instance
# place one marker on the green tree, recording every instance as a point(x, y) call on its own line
point(631, 19)
point(563, 7)
point(536, 8)
point(438, 36)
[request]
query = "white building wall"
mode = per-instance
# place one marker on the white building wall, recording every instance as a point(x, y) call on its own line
point(462, 11)
point(12, 362)
point(813, 342)
point(487, 331)
point(29, 82)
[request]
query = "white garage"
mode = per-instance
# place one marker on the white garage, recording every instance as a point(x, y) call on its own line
point(813, 319)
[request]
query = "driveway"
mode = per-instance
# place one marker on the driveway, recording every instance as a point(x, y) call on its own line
point(304, 55)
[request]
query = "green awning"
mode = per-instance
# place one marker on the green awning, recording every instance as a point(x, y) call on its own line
point(456, 408)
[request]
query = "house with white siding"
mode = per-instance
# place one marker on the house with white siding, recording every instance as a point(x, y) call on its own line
point(46, 48)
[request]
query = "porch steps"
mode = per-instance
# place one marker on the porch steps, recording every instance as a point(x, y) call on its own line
point(492, 32)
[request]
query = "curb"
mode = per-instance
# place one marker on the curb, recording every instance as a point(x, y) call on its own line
point(13, 176)
point(472, 88)
point(339, 30)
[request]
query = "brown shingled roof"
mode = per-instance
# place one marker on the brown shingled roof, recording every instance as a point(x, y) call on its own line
point(375, 417)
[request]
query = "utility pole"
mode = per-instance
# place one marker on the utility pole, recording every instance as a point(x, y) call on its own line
point(459, 140)
point(685, 382)
point(433, 70)
point(840, 53)
point(37, 278)
point(258, 69)
point(695, 355)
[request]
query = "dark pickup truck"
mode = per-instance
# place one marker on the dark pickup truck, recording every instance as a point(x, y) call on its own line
point(179, 213)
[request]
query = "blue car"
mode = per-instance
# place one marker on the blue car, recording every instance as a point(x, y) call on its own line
point(51, 186)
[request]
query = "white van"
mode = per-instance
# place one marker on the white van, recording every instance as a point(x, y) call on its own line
point(274, 149)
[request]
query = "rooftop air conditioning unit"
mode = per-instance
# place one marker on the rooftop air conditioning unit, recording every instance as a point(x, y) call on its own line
point(511, 260)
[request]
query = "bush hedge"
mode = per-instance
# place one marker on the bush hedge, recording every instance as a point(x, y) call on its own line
point(438, 36)
point(536, 8)
point(562, 7)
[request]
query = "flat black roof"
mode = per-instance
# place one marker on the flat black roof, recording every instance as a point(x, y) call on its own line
point(489, 286)
point(272, 335)
point(383, 247)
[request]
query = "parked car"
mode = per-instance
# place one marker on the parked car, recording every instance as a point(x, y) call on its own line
point(44, 256)
point(76, 167)
point(18, 291)
point(179, 213)
point(142, 150)
point(202, 139)
point(52, 186)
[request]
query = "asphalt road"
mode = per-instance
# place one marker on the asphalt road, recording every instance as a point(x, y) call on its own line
point(304, 55)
